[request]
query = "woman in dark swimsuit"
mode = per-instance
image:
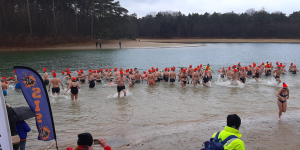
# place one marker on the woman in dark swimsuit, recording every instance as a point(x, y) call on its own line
point(283, 94)
point(184, 77)
point(256, 75)
point(91, 80)
point(132, 79)
point(74, 89)
point(205, 79)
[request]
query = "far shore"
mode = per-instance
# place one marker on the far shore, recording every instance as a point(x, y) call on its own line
point(147, 43)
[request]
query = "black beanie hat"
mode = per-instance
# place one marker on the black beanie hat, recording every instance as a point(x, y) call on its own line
point(85, 139)
point(233, 121)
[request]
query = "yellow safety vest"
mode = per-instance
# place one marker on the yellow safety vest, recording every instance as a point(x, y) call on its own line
point(233, 144)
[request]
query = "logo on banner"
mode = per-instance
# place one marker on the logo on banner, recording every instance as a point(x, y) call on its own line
point(29, 80)
point(44, 133)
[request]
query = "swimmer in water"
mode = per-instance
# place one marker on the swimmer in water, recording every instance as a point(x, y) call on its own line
point(229, 72)
point(196, 77)
point(294, 70)
point(98, 76)
point(4, 86)
point(55, 88)
point(82, 77)
point(131, 78)
point(166, 75)
point(91, 80)
point(68, 77)
point(137, 77)
point(184, 77)
point(117, 73)
point(74, 86)
point(276, 73)
point(158, 75)
point(144, 75)
point(291, 66)
point(243, 74)
point(206, 79)
point(256, 75)
point(11, 80)
point(190, 72)
point(172, 76)
point(150, 77)
point(17, 84)
point(111, 83)
point(121, 83)
point(283, 94)
point(234, 77)
point(46, 78)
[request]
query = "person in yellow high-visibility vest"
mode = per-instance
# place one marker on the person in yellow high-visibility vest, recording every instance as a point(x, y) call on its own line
point(232, 128)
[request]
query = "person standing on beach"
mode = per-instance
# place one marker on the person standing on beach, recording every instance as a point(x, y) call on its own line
point(120, 44)
point(96, 44)
point(55, 88)
point(276, 73)
point(232, 129)
point(283, 94)
point(100, 44)
point(46, 78)
point(120, 83)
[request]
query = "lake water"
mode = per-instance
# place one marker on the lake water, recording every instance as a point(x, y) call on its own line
point(147, 109)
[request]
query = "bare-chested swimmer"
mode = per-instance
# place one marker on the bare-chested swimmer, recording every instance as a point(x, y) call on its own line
point(46, 78)
point(276, 73)
point(82, 77)
point(158, 75)
point(120, 79)
point(166, 75)
point(172, 76)
point(98, 76)
point(234, 77)
point(4, 86)
point(138, 77)
point(243, 74)
point(191, 71)
point(150, 77)
point(196, 77)
point(55, 88)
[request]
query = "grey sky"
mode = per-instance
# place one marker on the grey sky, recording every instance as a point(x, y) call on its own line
point(144, 7)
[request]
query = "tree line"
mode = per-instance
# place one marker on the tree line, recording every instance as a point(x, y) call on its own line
point(34, 20)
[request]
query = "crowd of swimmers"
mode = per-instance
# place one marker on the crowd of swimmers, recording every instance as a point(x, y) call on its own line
point(197, 75)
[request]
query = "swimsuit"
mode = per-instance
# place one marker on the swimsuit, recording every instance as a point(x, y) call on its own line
point(282, 96)
point(190, 76)
point(184, 82)
point(46, 82)
point(166, 78)
point(197, 81)
point(56, 90)
point(82, 80)
point(92, 84)
point(256, 75)
point(277, 77)
point(132, 81)
point(268, 73)
point(151, 82)
point(172, 80)
point(249, 73)
point(205, 79)
point(74, 90)
point(243, 80)
point(120, 88)
point(137, 81)
point(98, 81)
point(294, 72)
point(5, 92)
point(184, 76)
point(18, 87)
point(222, 75)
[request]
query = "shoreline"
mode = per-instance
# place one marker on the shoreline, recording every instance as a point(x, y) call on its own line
point(146, 43)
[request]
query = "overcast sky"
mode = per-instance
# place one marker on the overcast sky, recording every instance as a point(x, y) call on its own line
point(144, 7)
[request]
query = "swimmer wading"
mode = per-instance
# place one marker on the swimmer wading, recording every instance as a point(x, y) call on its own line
point(36, 95)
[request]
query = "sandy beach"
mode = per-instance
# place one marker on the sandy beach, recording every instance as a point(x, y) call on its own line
point(148, 43)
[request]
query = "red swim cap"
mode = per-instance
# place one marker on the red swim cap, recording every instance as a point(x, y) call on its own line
point(45, 69)
point(295, 66)
point(54, 74)
point(14, 71)
point(195, 69)
point(121, 72)
point(116, 68)
point(285, 85)
point(166, 69)
point(94, 71)
point(52, 71)
point(6, 82)
point(4, 78)
point(63, 72)
point(219, 70)
point(127, 70)
point(184, 70)
point(11, 78)
point(223, 68)
point(205, 71)
point(152, 68)
point(109, 69)
point(207, 67)
point(239, 63)
point(98, 71)
point(106, 69)
point(101, 69)
point(67, 69)
point(74, 78)
point(229, 68)
point(172, 69)
point(156, 69)
point(291, 64)
point(145, 72)
point(146, 75)
point(68, 72)
point(246, 67)
point(200, 65)
point(235, 70)
point(131, 70)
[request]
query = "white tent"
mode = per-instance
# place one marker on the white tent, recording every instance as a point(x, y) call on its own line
point(5, 138)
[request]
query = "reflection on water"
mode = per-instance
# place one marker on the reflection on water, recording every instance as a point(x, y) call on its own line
point(147, 109)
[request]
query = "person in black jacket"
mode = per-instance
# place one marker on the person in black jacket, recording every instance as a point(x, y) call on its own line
point(13, 118)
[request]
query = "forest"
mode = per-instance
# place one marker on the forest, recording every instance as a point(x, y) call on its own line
point(50, 22)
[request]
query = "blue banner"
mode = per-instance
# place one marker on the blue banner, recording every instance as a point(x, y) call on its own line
point(36, 95)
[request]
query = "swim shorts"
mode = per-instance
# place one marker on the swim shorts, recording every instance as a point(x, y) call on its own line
point(18, 87)
point(56, 90)
point(151, 82)
point(184, 82)
point(190, 76)
point(243, 80)
point(4, 92)
point(82, 81)
point(120, 88)
point(46, 82)
point(166, 79)
point(137, 81)
point(92, 84)
point(172, 80)
point(98, 81)
point(277, 77)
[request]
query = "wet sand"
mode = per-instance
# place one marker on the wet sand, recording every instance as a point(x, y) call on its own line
point(260, 132)
point(149, 43)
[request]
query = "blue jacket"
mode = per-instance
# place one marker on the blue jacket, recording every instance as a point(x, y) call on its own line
point(22, 129)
